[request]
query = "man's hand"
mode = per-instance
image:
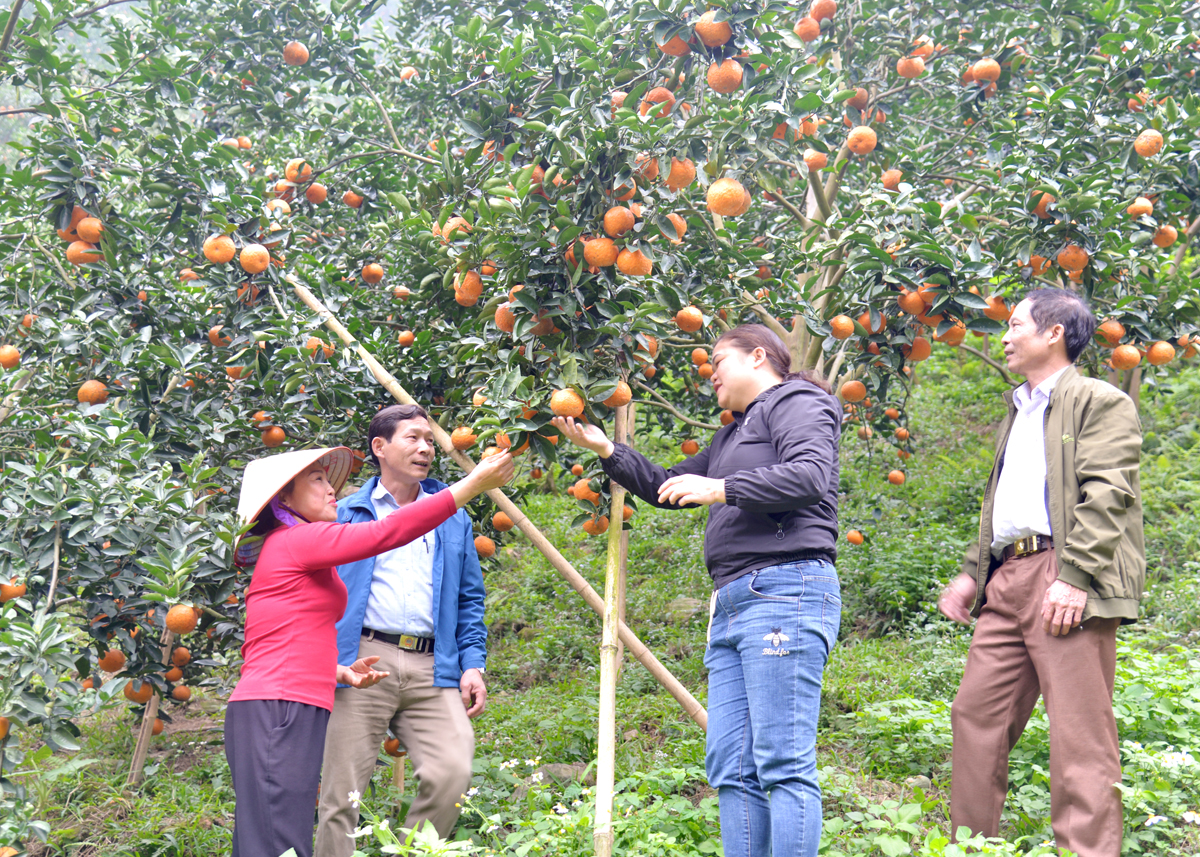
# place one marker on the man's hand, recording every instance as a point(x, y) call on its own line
point(957, 599)
point(474, 693)
point(692, 489)
point(1062, 609)
point(359, 674)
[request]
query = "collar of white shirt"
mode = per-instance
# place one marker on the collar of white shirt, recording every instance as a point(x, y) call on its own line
point(1022, 396)
point(381, 493)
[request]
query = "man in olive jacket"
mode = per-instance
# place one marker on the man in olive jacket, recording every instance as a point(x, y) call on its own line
point(1059, 565)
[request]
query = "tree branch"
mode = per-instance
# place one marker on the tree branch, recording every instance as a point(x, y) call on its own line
point(660, 402)
point(814, 184)
point(761, 311)
point(989, 361)
point(8, 30)
point(54, 569)
point(387, 120)
point(53, 260)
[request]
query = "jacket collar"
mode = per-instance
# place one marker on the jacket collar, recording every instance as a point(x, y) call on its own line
point(361, 499)
point(765, 395)
point(1064, 380)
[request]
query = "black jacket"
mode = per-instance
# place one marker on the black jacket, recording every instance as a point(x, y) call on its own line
point(779, 461)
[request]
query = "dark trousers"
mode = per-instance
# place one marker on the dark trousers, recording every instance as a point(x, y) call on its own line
point(274, 748)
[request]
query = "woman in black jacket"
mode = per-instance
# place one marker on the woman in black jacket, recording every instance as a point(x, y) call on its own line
point(771, 480)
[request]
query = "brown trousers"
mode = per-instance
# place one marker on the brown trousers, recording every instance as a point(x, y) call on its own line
point(432, 726)
point(1011, 662)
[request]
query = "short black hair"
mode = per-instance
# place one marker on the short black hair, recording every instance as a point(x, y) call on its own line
point(1059, 306)
point(384, 423)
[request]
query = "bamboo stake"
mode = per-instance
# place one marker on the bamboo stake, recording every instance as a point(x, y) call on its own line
point(636, 647)
point(630, 424)
point(398, 780)
point(606, 739)
point(11, 399)
point(142, 748)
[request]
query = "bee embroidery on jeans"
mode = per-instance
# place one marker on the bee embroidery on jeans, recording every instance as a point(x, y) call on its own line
point(776, 638)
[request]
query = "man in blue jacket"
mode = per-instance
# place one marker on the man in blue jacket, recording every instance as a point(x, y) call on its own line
point(420, 609)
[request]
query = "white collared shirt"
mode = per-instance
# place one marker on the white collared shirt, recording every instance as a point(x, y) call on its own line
point(1020, 508)
point(401, 599)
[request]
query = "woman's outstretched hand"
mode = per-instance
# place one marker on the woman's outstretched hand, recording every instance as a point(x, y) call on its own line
point(489, 473)
point(584, 435)
point(360, 673)
point(692, 489)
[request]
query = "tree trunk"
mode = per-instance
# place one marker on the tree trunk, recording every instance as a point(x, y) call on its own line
point(142, 748)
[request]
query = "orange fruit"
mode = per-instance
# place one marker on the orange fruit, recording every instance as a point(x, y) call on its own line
point(923, 48)
point(822, 10)
point(505, 319)
point(675, 47)
point(891, 179)
point(1110, 333)
point(910, 67)
point(401, 293)
point(277, 208)
point(392, 747)
point(313, 344)
point(173, 675)
point(689, 447)
point(181, 619)
point(294, 53)
point(596, 526)
point(712, 32)
point(158, 727)
point(865, 321)
point(297, 171)
point(699, 356)
point(273, 437)
point(316, 193)
point(815, 160)
point(112, 662)
point(865, 433)
point(462, 438)
point(997, 309)
point(245, 143)
point(726, 417)
point(601, 252)
point(854, 537)
point(1140, 207)
point(577, 469)
point(181, 657)
point(11, 590)
point(680, 228)
point(645, 167)
point(841, 327)
point(485, 547)
point(352, 199)
point(621, 396)
point(986, 69)
point(911, 302)
point(918, 351)
point(566, 403)
point(705, 371)
point(502, 522)
point(181, 694)
point(689, 319)
point(725, 77)
point(634, 263)
point(617, 221)
point(896, 477)
point(408, 73)
point(372, 273)
point(1160, 353)
point(215, 336)
point(141, 694)
point(862, 140)
point(254, 258)
point(92, 392)
point(725, 197)
point(658, 95)
point(82, 253)
point(853, 391)
point(681, 174)
point(1125, 357)
point(1044, 200)
point(1148, 143)
point(1165, 236)
point(90, 229)
point(1073, 257)
point(808, 29)
point(9, 356)
point(406, 338)
point(1039, 264)
point(27, 321)
point(219, 249)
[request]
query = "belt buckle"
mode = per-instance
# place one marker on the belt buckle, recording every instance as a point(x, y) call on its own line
point(408, 642)
point(1025, 546)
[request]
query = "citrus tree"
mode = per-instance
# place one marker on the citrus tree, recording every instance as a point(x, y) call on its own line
point(525, 209)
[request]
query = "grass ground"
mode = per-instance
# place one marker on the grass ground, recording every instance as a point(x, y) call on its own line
point(884, 737)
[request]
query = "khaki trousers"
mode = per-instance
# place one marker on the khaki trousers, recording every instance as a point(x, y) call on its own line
point(1011, 662)
point(432, 726)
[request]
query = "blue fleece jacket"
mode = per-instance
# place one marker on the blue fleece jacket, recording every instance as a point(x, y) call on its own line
point(460, 637)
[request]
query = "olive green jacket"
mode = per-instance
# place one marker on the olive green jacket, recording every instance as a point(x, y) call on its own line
point(1093, 446)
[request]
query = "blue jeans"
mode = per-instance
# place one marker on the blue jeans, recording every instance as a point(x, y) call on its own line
point(769, 639)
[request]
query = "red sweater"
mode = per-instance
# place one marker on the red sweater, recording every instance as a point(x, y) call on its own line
point(296, 596)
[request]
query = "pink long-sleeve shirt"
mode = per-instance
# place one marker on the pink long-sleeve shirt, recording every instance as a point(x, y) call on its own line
point(296, 596)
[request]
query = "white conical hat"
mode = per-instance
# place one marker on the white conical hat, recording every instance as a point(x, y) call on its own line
point(265, 477)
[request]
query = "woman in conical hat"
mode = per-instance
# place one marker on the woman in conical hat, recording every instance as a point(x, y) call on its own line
point(275, 722)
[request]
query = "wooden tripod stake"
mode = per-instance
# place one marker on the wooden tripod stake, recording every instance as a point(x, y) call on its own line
point(142, 748)
point(636, 647)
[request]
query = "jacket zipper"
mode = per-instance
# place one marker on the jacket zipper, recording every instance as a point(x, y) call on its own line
point(779, 532)
point(984, 560)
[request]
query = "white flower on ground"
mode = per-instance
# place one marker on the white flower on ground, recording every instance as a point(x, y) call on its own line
point(355, 798)
point(472, 791)
point(560, 809)
point(1155, 819)
point(536, 776)
point(1178, 760)
point(1191, 817)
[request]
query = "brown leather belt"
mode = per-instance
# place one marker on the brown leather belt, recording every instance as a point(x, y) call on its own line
point(1026, 547)
point(407, 642)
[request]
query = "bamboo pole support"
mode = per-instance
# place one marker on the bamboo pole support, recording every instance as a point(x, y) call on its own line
point(398, 780)
point(138, 763)
point(637, 648)
point(606, 738)
point(630, 422)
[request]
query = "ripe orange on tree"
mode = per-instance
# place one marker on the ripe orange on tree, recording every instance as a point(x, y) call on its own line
point(808, 29)
point(815, 160)
point(566, 403)
point(658, 95)
point(314, 343)
point(919, 350)
point(854, 537)
point(705, 371)
point(712, 32)
point(181, 619)
point(1110, 333)
point(181, 693)
point(254, 258)
point(862, 140)
point(617, 221)
point(865, 321)
point(112, 662)
point(1125, 357)
point(997, 309)
point(1165, 236)
point(219, 249)
point(1148, 143)
point(601, 252)
point(896, 477)
point(90, 229)
point(576, 470)
point(634, 263)
point(1140, 207)
point(372, 273)
point(853, 391)
point(689, 319)
point(986, 69)
point(406, 338)
point(725, 77)
point(622, 395)
point(502, 522)
point(157, 727)
point(173, 675)
point(181, 657)
point(140, 694)
point(401, 293)
point(1073, 257)
point(911, 302)
point(11, 590)
point(215, 337)
point(316, 193)
point(1159, 353)
point(727, 417)
point(92, 392)
point(891, 179)
point(352, 199)
point(699, 356)
point(295, 53)
point(675, 47)
point(596, 526)
point(297, 171)
point(273, 437)
point(910, 67)
point(9, 356)
point(822, 10)
point(408, 73)
point(463, 438)
point(681, 174)
point(504, 318)
point(82, 253)
point(841, 327)
point(689, 447)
